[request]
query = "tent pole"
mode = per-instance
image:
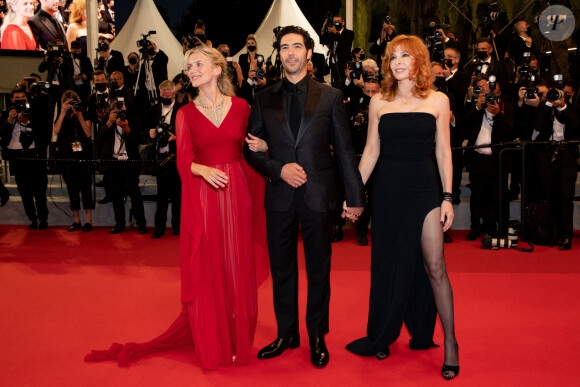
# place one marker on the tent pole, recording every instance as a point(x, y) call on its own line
point(92, 27)
point(349, 14)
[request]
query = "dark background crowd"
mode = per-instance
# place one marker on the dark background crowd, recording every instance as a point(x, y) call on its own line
point(503, 88)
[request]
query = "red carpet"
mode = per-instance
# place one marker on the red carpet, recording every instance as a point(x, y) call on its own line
point(62, 294)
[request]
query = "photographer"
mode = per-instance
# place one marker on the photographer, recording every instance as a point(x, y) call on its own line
point(490, 121)
point(388, 33)
point(255, 82)
point(488, 63)
point(162, 135)
point(521, 42)
point(153, 72)
point(21, 139)
point(100, 98)
point(557, 121)
point(131, 70)
point(198, 37)
point(234, 69)
point(74, 142)
point(251, 53)
point(82, 70)
point(339, 41)
point(117, 140)
point(108, 60)
point(60, 70)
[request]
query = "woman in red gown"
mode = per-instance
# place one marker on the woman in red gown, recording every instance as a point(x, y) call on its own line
point(15, 32)
point(223, 233)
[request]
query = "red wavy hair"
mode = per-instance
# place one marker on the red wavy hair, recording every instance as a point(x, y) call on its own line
point(421, 74)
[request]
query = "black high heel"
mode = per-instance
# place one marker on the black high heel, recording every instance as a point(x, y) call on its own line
point(448, 368)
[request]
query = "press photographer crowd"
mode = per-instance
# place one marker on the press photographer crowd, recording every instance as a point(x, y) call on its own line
point(507, 92)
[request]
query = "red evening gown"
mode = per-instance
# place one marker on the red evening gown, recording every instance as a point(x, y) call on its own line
point(223, 246)
point(14, 38)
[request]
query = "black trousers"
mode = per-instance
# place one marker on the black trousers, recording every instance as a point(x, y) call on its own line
point(124, 180)
point(282, 228)
point(484, 207)
point(31, 181)
point(457, 161)
point(79, 182)
point(558, 182)
point(168, 186)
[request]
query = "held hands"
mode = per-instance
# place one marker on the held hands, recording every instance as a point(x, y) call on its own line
point(256, 144)
point(293, 174)
point(351, 212)
point(215, 177)
point(446, 215)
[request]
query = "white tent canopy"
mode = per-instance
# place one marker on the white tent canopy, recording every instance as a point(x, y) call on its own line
point(144, 18)
point(282, 13)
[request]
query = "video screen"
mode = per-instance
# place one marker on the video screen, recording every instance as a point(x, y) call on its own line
point(33, 27)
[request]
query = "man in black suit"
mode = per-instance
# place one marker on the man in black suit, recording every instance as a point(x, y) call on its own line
point(489, 64)
point(82, 70)
point(153, 72)
point(45, 27)
point(486, 123)
point(162, 135)
point(109, 60)
point(300, 119)
point(339, 41)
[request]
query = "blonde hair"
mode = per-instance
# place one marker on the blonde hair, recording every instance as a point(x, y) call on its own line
point(216, 59)
point(167, 85)
point(420, 74)
point(78, 9)
point(69, 94)
point(9, 16)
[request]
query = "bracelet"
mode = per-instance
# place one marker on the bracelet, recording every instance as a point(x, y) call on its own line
point(448, 197)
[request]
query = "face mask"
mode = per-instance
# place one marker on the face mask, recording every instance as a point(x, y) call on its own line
point(251, 48)
point(166, 101)
point(201, 37)
point(439, 82)
point(133, 60)
point(482, 55)
point(100, 87)
point(361, 57)
point(114, 85)
point(338, 26)
point(76, 56)
point(224, 53)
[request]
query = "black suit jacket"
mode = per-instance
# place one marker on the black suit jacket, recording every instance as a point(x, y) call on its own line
point(115, 63)
point(44, 30)
point(568, 117)
point(64, 71)
point(155, 117)
point(324, 124)
point(159, 68)
point(496, 68)
point(343, 48)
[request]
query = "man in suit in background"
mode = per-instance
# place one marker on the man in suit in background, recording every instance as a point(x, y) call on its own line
point(109, 60)
point(300, 119)
point(45, 27)
point(339, 40)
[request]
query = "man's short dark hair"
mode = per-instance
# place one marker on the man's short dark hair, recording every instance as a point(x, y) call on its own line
point(99, 72)
point(16, 90)
point(76, 44)
point(485, 40)
point(308, 41)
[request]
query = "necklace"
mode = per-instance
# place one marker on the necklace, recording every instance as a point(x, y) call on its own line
point(215, 114)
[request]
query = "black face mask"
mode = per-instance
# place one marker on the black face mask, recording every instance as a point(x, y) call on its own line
point(439, 82)
point(361, 57)
point(338, 26)
point(114, 85)
point(224, 53)
point(482, 55)
point(76, 56)
point(133, 60)
point(166, 101)
point(251, 48)
point(201, 37)
point(100, 87)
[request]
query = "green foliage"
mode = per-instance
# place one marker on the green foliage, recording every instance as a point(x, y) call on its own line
point(362, 22)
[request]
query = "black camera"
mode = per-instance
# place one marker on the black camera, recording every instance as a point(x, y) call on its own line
point(491, 97)
point(356, 69)
point(144, 44)
point(102, 102)
point(54, 50)
point(556, 93)
point(511, 242)
point(260, 73)
point(103, 46)
point(23, 109)
point(447, 63)
point(531, 92)
point(122, 115)
point(77, 106)
point(194, 40)
point(329, 19)
point(162, 133)
point(387, 20)
point(39, 87)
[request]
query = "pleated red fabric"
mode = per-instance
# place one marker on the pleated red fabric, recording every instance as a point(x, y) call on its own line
point(223, 248)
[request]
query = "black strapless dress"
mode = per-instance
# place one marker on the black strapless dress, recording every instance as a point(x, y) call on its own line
point(405, 190)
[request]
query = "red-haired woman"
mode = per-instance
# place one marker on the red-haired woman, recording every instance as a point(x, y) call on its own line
point(409, 282)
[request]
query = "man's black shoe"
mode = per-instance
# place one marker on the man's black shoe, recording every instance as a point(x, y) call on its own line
point(565, 244)
point(75, 226)
point(157, 234)
point(43, 225)
point(473, 235)
point(361, 238)
point(278, 347)
point(33, 225)
point(318, 353)
point(338, 235)
point(117, 229)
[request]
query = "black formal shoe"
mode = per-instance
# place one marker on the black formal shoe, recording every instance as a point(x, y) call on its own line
point(278, 347)
point(448, 369)
point(565, 244)
point(117, 229)
point(42, 225)
point(157, 234)
point(383, 354)
point(447, 238)
point(176, 232)
point(473, 235)
point(104, 200)
point(142, 229)
point(87, 227)
point(338, 234)
point(75, 226)
point(361, 238)
point(33, 225)
point(318, 353)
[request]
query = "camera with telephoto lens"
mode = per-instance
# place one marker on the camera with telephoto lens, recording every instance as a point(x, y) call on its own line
point(103, 46)
point(511, 242)
point(356, 69)
point(54, 50)
point(491, 97)
point(329, 19)
point(162, 133)
point(144, 44)
point(556, 93)
point(260, 73)
point(39, 87)
point(531, 92)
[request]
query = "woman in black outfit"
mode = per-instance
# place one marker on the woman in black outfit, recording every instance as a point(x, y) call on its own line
point(245, 59)
point(74, 142)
